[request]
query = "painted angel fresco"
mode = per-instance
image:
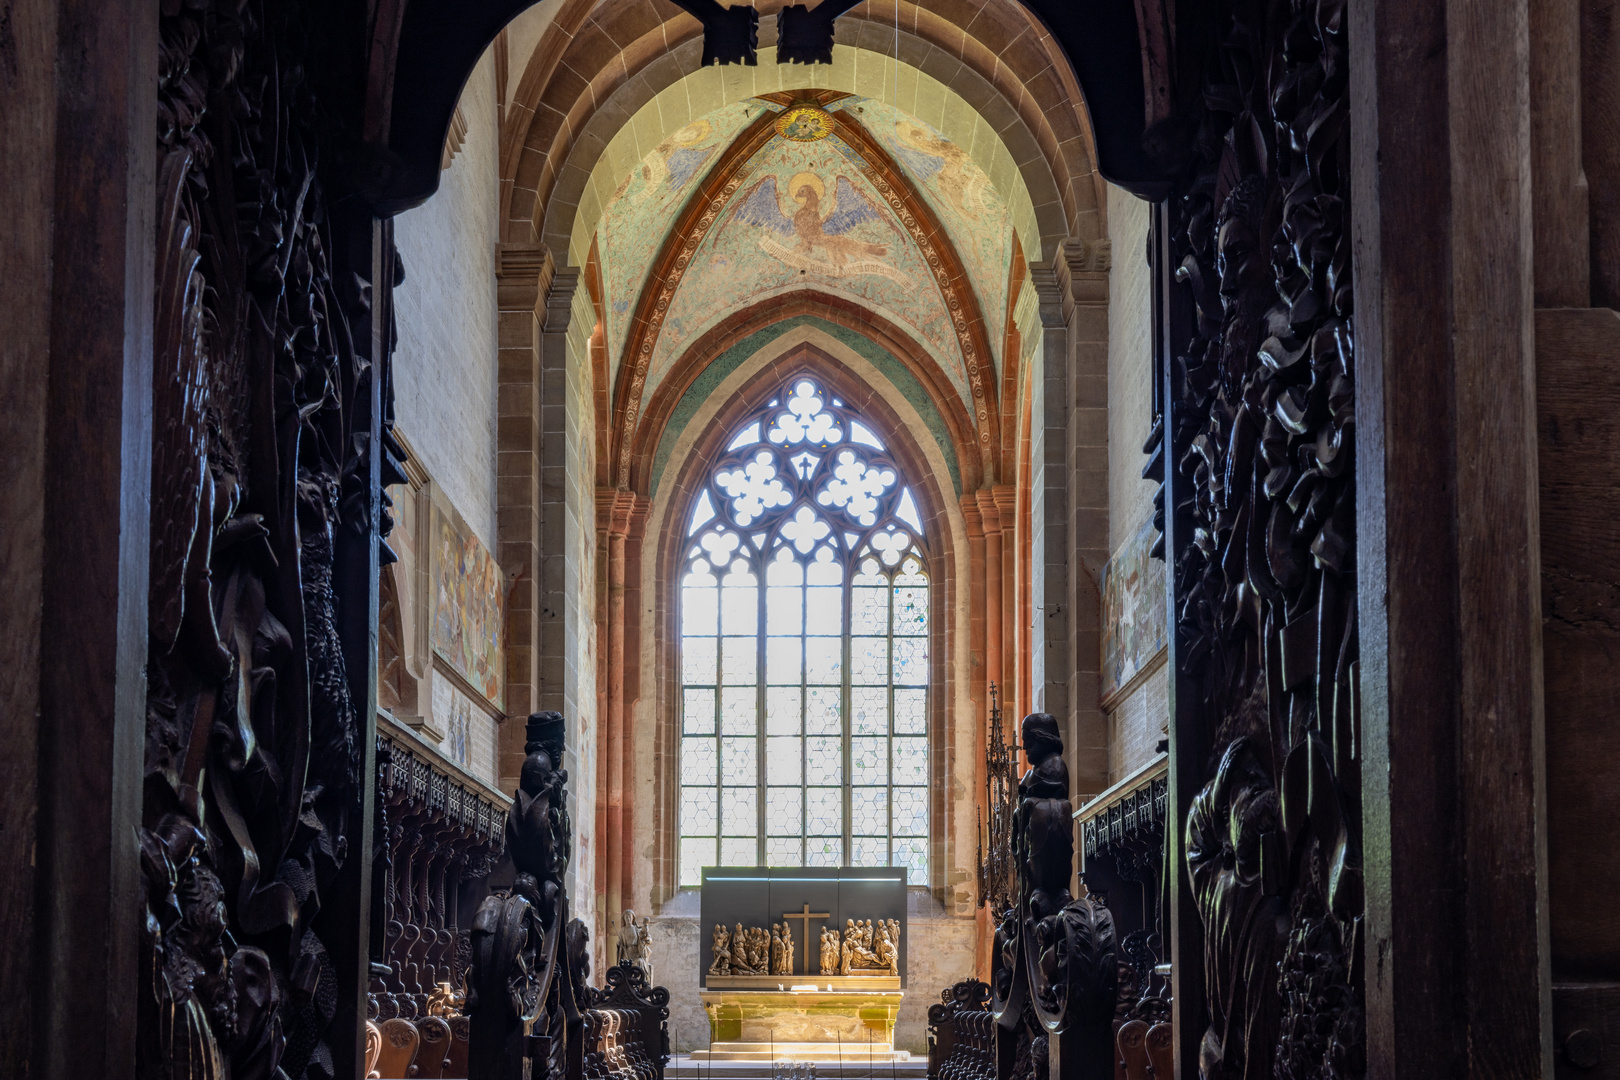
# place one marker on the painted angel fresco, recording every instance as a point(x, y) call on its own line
point(959, 180)
point(671, 163)
point(817, 234)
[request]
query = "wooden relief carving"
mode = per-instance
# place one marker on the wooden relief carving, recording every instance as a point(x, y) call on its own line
point(261, 393)
point(530, 961)
point(1055, 970)
point(437, 842)
point(1261, 425)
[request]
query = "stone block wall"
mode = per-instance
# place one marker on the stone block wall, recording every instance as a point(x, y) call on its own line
point(1130, 366)
point(1136, 717)
point(444, 368)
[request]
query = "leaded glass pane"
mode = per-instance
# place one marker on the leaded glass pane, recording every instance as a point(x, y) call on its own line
point(700, 611)
point(784, 810)
point(910, 761)
point(823, 660)
point(784, 661)
point(869, 811)
point(910, 811)
point(783, 611)
point(784, 851)
point(739, 813)
point(699, 763)
point(696, 853)
point(824, 811)
point(910, 712)
point(738, 761)
point(911, 610)
point(869, 610)
point(869, 711)
point(824, 760)
point(739, 661)
point(822, 710)
point(824, 609)
point(869, 760)
point(807, 517)
point(913, 855)
point(910, 661)
point(782, 710)
point(824, 851)
point(739, 603)
point(869, 661)
point(697, 711)
point(700, 811)
point(869, 851)
point(737, 711)
point(784, 761)
point(699, 660)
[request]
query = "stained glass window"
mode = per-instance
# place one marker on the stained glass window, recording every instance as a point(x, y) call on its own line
point(804, 614)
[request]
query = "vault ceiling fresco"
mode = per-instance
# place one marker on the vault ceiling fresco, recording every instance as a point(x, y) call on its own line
point(647, 201)
point(801, 212)
point(961, 196)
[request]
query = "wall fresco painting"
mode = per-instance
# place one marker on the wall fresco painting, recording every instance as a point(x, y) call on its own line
point(960, 195)
point(806, 216)
point(636, 218)
point(1133, 623)
point(469, 613)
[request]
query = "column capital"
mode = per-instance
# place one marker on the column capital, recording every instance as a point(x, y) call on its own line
point(1048, 296)
point(560, 299)
point(971, 518)
point(518, 264)
point(1082, 269)
point(620, 512)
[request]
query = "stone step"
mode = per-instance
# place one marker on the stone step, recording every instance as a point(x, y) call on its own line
point(694, 1067)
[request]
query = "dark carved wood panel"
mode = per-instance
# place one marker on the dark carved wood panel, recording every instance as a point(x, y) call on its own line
point(262, 399)
point(1262, 490)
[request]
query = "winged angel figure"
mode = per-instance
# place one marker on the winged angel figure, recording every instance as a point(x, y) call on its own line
point(823, 241)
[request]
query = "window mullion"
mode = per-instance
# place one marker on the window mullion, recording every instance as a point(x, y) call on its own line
point(845, 704)
point(888, 771)
point(759, 710)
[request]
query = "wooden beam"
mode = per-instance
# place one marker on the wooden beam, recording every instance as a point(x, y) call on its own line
point(96, 495)
point(1447, 525)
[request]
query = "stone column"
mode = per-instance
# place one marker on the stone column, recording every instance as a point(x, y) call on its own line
point(620, 517)
point(1053, 661)
point(523, 275)
point(1080, 272)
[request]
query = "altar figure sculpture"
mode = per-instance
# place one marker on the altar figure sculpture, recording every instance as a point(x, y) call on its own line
point(781, 949)
point(831, 947)
point(722, 951)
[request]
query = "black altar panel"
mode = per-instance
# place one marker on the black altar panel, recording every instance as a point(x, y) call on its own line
point(762, 895)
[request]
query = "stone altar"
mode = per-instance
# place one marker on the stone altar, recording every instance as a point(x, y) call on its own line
point(823, 983)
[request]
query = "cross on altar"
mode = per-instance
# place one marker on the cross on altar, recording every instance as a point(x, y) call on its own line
point(805, 916)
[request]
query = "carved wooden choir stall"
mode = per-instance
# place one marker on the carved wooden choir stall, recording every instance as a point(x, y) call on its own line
point(532, 1013)
point(442, 840)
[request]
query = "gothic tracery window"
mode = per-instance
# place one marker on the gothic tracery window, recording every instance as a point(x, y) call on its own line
point(804, 611)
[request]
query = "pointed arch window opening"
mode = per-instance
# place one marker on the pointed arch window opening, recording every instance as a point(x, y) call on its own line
point(805, 637)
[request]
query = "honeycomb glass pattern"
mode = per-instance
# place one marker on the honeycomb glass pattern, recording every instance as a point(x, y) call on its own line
point(805, 619)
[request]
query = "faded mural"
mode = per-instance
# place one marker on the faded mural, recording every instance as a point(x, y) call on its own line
point(805, 215)
point(960, 195)
point(638, 216)
point(469, 607)
point(1133, 611)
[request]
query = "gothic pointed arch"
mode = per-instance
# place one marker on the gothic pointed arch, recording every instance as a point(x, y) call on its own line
point(720, 198)
point(930, 518)
point(597, 65)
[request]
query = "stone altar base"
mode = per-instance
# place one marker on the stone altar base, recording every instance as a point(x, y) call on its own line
point(845, 1024)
